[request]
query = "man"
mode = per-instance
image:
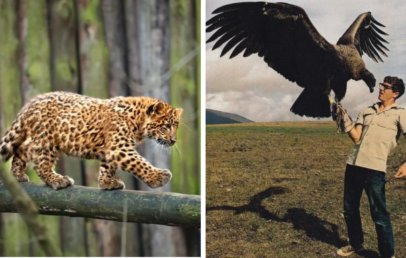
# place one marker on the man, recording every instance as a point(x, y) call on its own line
point(375, 134)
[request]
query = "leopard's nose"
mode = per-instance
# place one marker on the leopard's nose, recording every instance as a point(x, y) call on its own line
point(173, 138)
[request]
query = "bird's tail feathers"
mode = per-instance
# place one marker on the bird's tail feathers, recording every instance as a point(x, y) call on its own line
point(312, 103)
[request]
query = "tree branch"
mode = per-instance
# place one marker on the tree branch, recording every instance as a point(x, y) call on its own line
point(142, 207)
point(28, 211)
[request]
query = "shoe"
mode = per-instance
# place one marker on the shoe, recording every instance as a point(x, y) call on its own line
point(348, 250)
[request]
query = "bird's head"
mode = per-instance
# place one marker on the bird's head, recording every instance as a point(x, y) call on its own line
point(369, 79)
point(371, 85)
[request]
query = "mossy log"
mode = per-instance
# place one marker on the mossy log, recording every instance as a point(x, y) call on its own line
point(169, 209)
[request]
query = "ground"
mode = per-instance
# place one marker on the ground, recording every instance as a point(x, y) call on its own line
point(275, 190)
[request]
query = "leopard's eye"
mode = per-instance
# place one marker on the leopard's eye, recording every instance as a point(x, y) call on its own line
point(168, 126)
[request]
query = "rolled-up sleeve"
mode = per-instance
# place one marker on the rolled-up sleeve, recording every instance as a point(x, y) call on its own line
point(360, 118)
point(402, 121)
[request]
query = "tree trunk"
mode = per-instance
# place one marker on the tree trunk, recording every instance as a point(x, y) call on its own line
point(65, 76)
point(184, 43)
point(2, 170)
point(15, 230)
point(93, 67)
point(34, 76)
point(185, 57)
point(114, 28)
point(37, 50)
point(115, 34)
point(148, 45)
point(21, 10)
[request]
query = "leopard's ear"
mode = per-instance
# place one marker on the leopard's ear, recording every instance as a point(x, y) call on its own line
point(156, 109)
point(178, 111)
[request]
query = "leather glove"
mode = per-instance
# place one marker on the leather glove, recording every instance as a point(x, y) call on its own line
point(342, 119)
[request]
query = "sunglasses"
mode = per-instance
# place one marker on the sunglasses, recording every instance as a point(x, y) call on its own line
point(386, 87)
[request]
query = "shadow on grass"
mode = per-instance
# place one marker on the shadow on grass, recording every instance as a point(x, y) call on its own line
point(255, 204)
point(314, 227)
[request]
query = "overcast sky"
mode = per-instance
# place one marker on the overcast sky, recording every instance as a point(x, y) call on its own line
point(248, 87)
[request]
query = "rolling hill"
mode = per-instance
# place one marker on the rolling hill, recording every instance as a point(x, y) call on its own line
point(219, 117)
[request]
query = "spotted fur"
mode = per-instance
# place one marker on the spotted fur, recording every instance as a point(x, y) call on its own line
point(107, 130)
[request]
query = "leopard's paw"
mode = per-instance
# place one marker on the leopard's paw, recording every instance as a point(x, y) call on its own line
point(61, 182)
point(111, 184)
point(160, 178)
point(22, 177)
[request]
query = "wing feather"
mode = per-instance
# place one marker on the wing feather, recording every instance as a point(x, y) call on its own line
point(234, 41)
point(377, 45)
point(218, 24)
point(222, 31)
point(255, 47)
point(366, 36)
point(371, 39)
point(372, 49)
point(377, 36)
point(378, 30)
point(239, 48)
point(226, 36)
point(366, 48)
point(376, 22)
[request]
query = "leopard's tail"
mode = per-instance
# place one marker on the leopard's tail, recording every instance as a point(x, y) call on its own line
point(14, 137)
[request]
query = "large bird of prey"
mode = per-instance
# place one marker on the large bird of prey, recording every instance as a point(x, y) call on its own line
point(284, 36)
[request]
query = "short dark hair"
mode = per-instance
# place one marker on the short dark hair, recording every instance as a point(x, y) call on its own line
point(397, 84)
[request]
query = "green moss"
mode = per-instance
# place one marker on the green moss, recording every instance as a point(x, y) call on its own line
point(62, 70)
point(37, 48)
point(65, 9)
point(94, 50)
point(181, 8)
point(9, 80)
point(190, 210)
point(91, 13)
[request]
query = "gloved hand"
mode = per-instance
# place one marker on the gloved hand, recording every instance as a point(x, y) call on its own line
point(341, 117)
point(334, 111)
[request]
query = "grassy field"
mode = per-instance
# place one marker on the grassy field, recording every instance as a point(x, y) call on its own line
point(275, 190)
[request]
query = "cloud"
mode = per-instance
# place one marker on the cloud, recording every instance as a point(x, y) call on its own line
point(253, 106)
point(248, 87)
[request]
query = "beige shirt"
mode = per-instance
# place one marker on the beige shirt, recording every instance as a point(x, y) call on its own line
point(380, 133)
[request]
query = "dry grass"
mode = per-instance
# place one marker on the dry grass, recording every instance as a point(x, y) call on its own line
point(275, 190)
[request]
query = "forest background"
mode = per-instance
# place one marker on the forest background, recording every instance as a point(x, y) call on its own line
point(105, 48)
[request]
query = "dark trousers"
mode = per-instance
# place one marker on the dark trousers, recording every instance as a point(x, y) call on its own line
point(356, 180)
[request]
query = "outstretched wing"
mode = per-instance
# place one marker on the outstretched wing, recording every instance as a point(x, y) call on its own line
point(366, 37)
point(281, 33)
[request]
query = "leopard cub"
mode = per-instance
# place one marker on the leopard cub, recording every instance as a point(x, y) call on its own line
point(107, 130)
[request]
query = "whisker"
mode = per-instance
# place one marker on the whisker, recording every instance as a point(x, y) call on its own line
point(189, 117)
point(168, 152)
point(161, 148)
point(153, 148)
point(180, 153)
point(186, 126)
